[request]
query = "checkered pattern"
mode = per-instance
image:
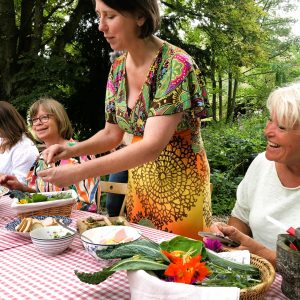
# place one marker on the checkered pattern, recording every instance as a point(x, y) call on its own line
point(26, 273)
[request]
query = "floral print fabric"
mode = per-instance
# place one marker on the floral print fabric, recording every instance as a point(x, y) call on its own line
point(86, 189)
point(172, 192)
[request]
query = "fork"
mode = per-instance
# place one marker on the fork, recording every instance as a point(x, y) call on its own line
point(74, 231)
point(40, 157)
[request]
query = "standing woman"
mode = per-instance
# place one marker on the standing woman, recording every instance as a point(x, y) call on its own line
point(155, 92)
point(17, 150)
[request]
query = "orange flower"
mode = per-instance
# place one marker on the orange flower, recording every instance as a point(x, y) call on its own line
point(187, 269)
point(174, 257)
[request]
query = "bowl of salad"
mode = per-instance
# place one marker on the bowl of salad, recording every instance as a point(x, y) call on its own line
point(100, 238)
point(52, 240)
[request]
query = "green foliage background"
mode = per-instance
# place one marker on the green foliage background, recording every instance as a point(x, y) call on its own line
point(230, 149)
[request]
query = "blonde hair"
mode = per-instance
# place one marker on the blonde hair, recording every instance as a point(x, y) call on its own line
point(55, 108)
point(284, 103)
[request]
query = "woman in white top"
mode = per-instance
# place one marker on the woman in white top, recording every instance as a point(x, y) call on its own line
point(271, 186)
point(17, 150)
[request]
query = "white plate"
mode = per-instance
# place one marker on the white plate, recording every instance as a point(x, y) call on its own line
point(3, 190)
point(30, 207)
point(11, 226)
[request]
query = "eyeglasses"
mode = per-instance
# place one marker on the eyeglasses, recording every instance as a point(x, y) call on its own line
point(42, 119)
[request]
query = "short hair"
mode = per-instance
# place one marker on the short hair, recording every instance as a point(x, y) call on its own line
point(146, 8)
point(55, 108)
point(12, 126)
point(284, 103)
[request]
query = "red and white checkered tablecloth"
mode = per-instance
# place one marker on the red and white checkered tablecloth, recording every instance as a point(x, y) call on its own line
point(26, 273)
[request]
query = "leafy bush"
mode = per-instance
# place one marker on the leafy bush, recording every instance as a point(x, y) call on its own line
point(230, 149)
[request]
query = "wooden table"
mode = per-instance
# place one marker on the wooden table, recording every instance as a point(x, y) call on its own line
point(26, 273)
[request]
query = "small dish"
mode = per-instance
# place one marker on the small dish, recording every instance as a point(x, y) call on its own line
point(3, 190)
point(11, 226)
point(52, 240)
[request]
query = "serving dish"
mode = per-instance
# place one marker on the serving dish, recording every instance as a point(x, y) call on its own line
point(3, 190)
point(11, 226)
point(100, 238)
point(28, 209)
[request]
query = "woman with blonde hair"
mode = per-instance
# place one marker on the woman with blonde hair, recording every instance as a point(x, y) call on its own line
point(50, 125)
point(17, 150)
point(271, 186)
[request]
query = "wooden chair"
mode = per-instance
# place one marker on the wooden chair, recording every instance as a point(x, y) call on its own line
point(116, 188)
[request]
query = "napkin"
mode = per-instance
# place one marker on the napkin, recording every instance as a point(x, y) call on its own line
point(144, 286)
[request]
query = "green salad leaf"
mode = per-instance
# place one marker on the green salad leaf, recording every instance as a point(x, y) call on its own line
point(180, 243)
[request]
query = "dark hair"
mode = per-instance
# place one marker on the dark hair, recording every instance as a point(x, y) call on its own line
point(58, 111)
point(145, 8)
point(12, 126)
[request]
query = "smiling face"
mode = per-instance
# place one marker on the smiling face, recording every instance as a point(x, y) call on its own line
point(47, 130)
point(283, 144)
point(120, 30)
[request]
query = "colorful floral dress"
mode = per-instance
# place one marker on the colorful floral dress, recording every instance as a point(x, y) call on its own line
point(86, 189)
point(171, 193)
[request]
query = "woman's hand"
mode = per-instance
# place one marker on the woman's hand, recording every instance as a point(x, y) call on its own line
point(62, 176)
point(232, 233)
point(12, 182)
point(56, 152)
point(247, 243)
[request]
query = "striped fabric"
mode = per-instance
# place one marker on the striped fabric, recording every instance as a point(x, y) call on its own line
point(86, 189)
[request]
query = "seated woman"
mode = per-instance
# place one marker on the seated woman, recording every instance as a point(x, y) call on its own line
point(271, 186)
point(51, 125)
point(17, 150)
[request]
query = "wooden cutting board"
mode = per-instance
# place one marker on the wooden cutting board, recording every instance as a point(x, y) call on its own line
point(98, 221)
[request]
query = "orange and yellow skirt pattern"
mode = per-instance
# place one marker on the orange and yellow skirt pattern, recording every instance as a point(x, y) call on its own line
point(172, 193)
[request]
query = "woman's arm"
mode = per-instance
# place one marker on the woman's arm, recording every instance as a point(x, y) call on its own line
point(240, 225)
point(103, 141)
point(158, 132)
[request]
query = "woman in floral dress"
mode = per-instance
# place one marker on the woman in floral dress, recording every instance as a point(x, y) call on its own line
point(155, 92)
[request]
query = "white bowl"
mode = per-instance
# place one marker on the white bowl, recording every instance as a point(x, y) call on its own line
point(93, 239)
point(52, 240)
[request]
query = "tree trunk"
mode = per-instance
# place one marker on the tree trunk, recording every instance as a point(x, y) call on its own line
point(67, 34)
point(38, 27)
point(229, 97)
point(8, 41)
point(231, 107)
point(214, 95)
point(220, 97)
point(25, 32)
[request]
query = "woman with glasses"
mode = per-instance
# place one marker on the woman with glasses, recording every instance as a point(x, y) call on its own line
point(17, 150)
point(271, 186)
point(50, 125)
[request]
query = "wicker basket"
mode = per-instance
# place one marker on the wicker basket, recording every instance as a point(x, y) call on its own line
point(64, 210)
point(61, 207)
point(267, 274)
